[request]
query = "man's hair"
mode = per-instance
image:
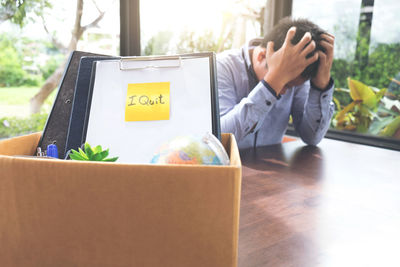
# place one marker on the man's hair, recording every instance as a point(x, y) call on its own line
point(278, 35)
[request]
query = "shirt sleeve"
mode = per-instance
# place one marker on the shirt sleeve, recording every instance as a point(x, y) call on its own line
point(241, 116)
point(312, 112)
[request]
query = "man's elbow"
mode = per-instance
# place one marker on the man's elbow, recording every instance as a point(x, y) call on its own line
point(312, 139)
point(312, 142)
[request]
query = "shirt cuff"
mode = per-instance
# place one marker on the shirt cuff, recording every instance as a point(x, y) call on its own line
point(272, 91)
point(329, 86)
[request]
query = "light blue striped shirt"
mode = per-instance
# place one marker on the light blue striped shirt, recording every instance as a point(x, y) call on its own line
point(254, 115)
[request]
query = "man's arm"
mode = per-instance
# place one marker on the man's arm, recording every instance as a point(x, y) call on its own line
point(241, 116)
point(312, 110)
point(312, 113)
point(323, 76)
point(287, 63)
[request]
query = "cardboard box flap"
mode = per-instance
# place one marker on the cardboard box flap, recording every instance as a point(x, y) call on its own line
point(21, 145)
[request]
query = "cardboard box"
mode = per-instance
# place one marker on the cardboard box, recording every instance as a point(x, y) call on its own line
point(70, 213)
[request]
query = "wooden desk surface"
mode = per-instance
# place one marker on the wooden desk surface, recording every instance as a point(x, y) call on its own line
point(337, 204)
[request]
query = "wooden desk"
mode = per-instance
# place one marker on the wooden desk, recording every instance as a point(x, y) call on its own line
point(337, 204)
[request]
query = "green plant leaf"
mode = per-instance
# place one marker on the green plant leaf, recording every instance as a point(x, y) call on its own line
point(100, 156)
point(88, 150)
point(382, 109)
point(391, 128)
point(75, 155)
point(111, 159)
point(74, 152)
point(341, 115)
point(380, 94)
point(364, 120)
point(362, 92)
point(83, 154)
point(97, 157)
point(378, 124)
point(97, 149)
point(337, 103)
point(104, 154)
point(365, 112)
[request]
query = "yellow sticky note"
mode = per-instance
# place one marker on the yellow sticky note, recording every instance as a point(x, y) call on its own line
point(147, 101)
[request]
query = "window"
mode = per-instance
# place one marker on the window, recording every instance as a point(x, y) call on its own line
point(34, 51)
point(366, 68)
point(173, 27)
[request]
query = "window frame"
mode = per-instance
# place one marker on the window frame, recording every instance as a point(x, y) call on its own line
point(129, 28)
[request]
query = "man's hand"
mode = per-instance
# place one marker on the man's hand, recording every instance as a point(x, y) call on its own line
point(287, 63)
point(321, 80)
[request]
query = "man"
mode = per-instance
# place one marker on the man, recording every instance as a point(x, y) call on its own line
point(288, 74)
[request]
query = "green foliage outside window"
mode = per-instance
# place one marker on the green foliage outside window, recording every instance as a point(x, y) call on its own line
point(51, 65)
point(190, 42)
point(17, 10)
point(158, 44)
point(18, 61)
point(371, 111)
point(14, 126)
point(380, 117)
point(11, 72)
point(383, 64)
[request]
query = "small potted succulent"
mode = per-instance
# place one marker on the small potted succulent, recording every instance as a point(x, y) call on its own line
point(91, 154)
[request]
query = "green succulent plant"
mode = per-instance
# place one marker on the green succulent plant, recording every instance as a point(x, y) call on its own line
point(91, 154)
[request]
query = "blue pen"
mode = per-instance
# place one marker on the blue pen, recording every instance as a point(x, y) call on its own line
point(52, 151)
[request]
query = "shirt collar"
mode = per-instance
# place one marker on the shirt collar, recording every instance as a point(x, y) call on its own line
point(246, 54)
point(249, 67)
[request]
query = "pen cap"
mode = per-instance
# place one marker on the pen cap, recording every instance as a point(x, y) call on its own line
point(52, 151)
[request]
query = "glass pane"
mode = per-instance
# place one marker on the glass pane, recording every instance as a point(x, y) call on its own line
point(31, 53)
point(171, 27)
point(339, 17)
point(368, 55)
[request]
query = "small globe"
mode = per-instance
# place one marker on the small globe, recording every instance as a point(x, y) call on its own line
point(191, 150)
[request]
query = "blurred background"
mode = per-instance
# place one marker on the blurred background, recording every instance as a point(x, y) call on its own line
point(37, 36)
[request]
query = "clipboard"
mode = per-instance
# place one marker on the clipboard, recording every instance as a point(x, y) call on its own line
point(193, 103)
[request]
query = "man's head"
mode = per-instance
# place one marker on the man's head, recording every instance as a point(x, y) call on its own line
point(278, 34)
